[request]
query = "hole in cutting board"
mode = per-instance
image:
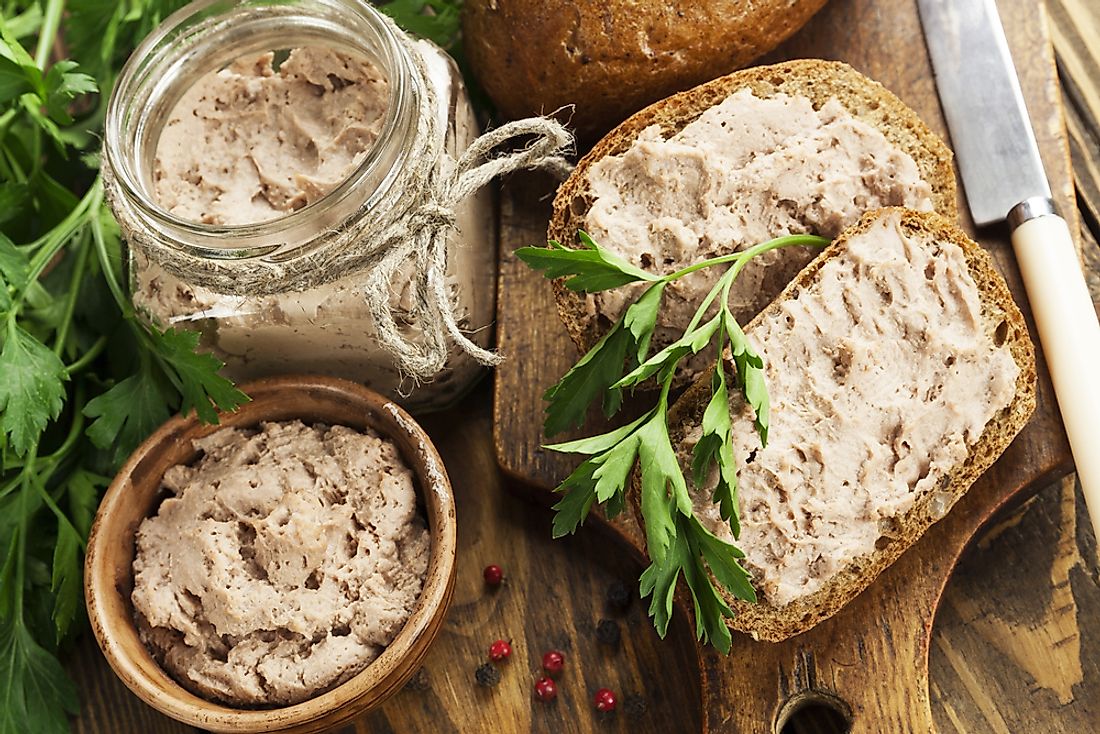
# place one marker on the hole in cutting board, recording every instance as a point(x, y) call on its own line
point(814, 712)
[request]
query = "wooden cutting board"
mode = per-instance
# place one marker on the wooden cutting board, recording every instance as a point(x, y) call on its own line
point(870, 661)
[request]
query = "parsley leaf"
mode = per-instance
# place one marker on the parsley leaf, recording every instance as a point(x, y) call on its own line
point(589, 379)
point(15, 81)
point(641, 318)
point(437, 20)
point(750, 376)
point(698, 554)
point(714, 448)
point(194, 374)
point(128, 412)
point(677, 542)
point(66, 581)
point(13, 271)
point(602, 477)
point(36, 695)
point(591, 267)
point(63, 84)
point(31, 389)
point(665, 361)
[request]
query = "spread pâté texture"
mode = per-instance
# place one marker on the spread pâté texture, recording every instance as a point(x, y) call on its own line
point(284, 560)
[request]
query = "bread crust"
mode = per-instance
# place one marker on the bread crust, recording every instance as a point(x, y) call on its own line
point(764, 621)
point(612, 58)
point(815, 79)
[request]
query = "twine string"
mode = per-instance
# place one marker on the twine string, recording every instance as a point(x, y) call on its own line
point(420, 215)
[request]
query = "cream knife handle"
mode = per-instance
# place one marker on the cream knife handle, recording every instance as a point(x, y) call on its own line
point(1068, 331)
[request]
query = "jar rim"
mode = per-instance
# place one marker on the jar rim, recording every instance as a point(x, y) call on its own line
point(265, 237)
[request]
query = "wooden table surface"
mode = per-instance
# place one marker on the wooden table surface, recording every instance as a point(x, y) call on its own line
point(1016, 643)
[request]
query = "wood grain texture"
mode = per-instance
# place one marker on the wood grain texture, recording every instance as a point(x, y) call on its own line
point(1075, 29)
point(1003, 651)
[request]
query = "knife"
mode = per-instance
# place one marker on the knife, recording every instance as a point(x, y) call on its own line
point(1003, 178)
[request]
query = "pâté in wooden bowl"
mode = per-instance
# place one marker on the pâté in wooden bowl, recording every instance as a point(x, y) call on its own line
point(213, 670)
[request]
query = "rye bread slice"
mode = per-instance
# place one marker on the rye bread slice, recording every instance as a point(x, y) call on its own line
point(818, 80)
point(1002, 319)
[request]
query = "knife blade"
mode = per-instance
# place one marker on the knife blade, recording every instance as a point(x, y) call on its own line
point(1003, 178)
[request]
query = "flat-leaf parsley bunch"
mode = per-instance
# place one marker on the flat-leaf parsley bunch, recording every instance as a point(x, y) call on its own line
point(676, 541)
point(82, 380)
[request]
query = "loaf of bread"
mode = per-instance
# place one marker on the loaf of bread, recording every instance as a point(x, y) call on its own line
point(610, 59)
point(875, 123)
point(899, 368)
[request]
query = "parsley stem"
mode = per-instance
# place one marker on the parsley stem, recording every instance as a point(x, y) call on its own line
point(12, 164)
point(74, 291)
point(6, 489)
point(20, 539)
point(62, 518)
point(56, 239)
point(75, 430)
point(47, 35)
point(807, 240)
point(88, 357)
point(106, 266)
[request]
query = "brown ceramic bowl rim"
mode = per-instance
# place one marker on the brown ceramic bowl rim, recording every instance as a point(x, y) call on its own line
point(116, 632)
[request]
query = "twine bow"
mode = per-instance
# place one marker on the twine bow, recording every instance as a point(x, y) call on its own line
point(423, 235)
point(409, 227)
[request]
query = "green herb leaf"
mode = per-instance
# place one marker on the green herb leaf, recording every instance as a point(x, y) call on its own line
point(750, 374)
point(36, 695)
point(641, 318)
point(196, 374)
point(598, 444)
point(66, 582)
point(714, 448)
point(437, 20)
point(13, 264)
point(82, 488)
point(579, 490)
point(18, 73)
point(31, 389)
point(711, 610)
point(128, 412)
point(664, 490)
point(587, 381)
point(14, 195)
point(593, 269)
point(63, 84)
point(665, 361)
point(601, 478)
point(14, 80)
point(13, 271)
point(722, 559)
point(698, 555)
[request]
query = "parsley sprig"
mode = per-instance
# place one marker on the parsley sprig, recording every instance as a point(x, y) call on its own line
point(675, 539)
point(82, 380)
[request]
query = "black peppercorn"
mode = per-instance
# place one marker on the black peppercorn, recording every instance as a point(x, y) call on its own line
point(634, 706)
point(607, 632)
point(487, 675)
point(618, 596)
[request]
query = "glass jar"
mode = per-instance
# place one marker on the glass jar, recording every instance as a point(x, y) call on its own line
point(302, 323)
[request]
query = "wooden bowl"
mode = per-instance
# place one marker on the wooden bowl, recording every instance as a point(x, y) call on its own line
point(136, 492)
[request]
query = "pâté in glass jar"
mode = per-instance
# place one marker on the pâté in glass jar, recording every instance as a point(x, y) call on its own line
point(301, 182)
